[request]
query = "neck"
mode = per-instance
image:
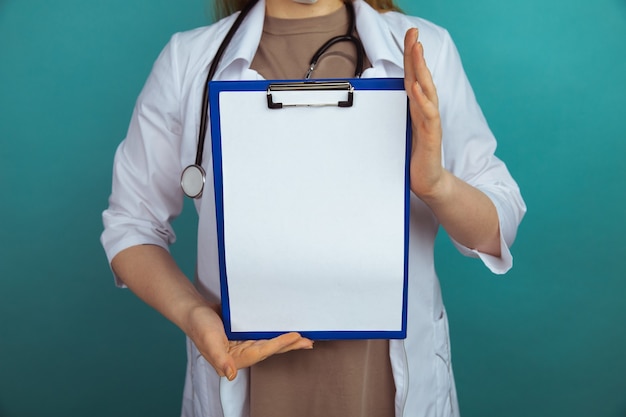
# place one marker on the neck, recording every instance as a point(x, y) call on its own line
point(289, 9)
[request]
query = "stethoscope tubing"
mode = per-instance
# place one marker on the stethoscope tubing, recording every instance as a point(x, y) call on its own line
point(212, 70)
point(193, 176)
point(349, 37)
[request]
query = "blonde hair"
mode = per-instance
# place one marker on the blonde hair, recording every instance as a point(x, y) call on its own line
point(224, 8)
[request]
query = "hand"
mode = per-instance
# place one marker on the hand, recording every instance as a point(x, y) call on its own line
point(151, 273)
point(466, 213)
point(426, 170)
point(226, 357)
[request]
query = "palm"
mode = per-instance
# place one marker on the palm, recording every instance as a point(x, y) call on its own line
point(229, 356)
point(426, 168)
point(226, 357)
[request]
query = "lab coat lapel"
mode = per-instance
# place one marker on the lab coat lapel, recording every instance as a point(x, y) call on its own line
point(235, 63)
point(381, 46)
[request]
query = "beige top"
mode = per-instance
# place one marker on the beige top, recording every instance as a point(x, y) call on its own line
point(347, 378)
point(287, 46)
point(342, 378)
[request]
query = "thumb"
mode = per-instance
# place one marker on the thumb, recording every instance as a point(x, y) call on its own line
point(225, 367)
point(220, 359)
point(230, 370)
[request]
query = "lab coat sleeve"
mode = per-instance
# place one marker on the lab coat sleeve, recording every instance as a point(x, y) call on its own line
point(469, 152)
point(146, 194)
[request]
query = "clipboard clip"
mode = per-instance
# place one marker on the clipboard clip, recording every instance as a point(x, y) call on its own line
point(311, 86)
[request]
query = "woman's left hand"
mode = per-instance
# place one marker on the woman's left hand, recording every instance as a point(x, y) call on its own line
point(427, 172)
point(466, 213)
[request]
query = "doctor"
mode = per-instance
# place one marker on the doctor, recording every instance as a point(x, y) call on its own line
point(456, 181)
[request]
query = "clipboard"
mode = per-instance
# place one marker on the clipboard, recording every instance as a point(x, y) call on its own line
point(312, 205)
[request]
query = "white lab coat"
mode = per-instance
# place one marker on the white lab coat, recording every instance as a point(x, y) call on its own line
point(162, 139)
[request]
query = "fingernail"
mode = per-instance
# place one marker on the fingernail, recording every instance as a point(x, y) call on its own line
point(230, 373)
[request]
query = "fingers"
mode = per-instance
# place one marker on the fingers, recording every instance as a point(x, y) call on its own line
point(426, 169)
point(410, 39)
point(418, 80)
point(293, 341)
point(281, 344)
point(250, 352)
point(424, 78)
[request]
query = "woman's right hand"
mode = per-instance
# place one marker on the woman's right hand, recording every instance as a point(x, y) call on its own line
point(206, 330)
point(151, 273)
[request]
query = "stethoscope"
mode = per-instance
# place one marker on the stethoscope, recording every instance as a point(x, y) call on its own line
point(193, 177)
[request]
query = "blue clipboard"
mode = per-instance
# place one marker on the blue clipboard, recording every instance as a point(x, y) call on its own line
point(312, 204)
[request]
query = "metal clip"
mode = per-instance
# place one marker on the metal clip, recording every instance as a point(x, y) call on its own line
point(311, 86)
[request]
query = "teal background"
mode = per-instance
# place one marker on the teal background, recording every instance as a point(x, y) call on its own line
point(548, 339)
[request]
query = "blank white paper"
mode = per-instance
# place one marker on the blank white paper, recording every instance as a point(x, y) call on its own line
point(314, 213)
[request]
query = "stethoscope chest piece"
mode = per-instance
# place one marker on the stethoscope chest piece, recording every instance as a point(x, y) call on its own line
point(192, 181)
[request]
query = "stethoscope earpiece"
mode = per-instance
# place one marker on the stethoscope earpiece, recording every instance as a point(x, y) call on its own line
point(192, 181)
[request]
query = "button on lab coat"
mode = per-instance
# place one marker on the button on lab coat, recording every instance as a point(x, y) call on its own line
point(161, 141)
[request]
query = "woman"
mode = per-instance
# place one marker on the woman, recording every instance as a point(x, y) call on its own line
point(456, 182)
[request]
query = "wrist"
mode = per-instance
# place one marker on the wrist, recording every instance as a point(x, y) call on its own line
point(440, 191)
point(199, 318)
